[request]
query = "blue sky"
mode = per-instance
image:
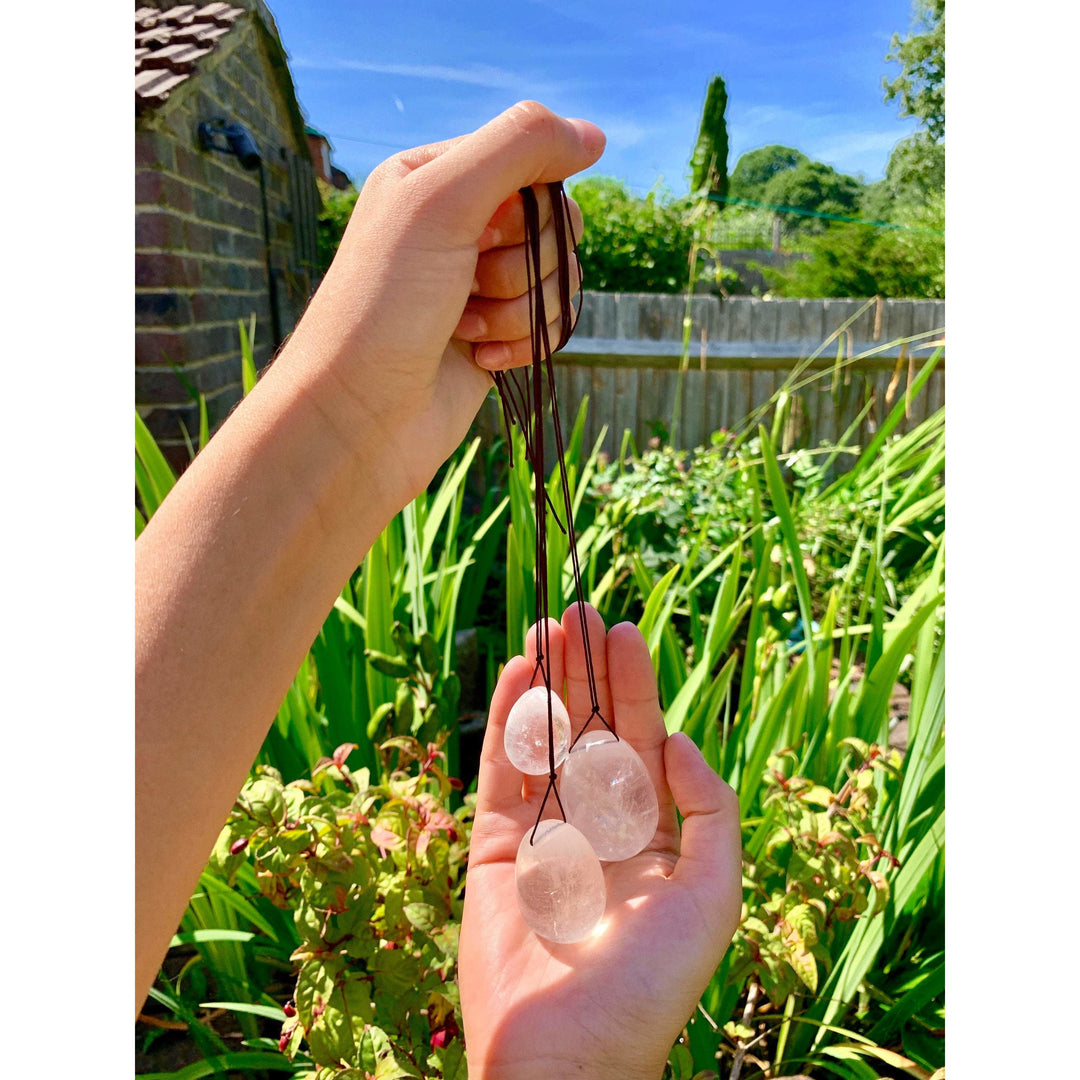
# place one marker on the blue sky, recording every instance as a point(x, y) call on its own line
point(377, 76)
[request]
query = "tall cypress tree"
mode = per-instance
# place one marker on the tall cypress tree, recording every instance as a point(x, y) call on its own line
point(709, 162)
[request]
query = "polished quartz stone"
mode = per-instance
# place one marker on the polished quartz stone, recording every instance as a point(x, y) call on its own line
point(607, 794)
point(526, 736)
point(560, 884)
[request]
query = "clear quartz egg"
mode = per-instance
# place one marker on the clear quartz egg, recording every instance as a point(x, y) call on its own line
point(560, 884)
point(525, 738)
point(608, 795)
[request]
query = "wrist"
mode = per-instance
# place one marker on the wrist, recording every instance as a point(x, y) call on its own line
point(397, 411)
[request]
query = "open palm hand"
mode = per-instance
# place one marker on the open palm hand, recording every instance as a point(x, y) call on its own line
point(613, 1004)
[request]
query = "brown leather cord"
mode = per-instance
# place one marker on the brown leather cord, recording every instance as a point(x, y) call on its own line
point(523, 404)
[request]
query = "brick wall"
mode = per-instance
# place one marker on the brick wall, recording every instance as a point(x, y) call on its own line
point(200, 262)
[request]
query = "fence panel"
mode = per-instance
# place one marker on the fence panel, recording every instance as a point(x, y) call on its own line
point(625, 354)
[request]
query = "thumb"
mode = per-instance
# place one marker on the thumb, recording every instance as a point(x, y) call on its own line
point(710, 859)
point(464, 181)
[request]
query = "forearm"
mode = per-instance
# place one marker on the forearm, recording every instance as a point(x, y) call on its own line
point(243, 560)
point(234, 576)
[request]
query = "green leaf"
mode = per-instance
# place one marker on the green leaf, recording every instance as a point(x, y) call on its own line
point(156, 478)
point(195, 937)
point(929, 984)
point(204, 422)
point(866, 941)
point(655, 616)
point(450, 1060)
point(393, 666)
point(346, 609)
point(681, 1062)
point(423, 916)
point(232, 899)
point(782, 506)
point(249, 375)
point(270, 1012)
point(379, 618)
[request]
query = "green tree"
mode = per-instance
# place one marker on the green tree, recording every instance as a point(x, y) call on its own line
point(755, 169)
point(632, 244)
point(815, 186)
point(708, 164)
point(915, 173)
point(920, 86)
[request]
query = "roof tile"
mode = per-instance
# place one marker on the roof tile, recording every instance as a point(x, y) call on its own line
point(157, 84)
point(179, 57)
point(180, 13)
point(211, 10)
point(192, 31)
point(156, 35)
point(168, 43)
point(212, 34)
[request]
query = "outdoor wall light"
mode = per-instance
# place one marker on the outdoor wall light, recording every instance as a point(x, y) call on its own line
point(239, 141)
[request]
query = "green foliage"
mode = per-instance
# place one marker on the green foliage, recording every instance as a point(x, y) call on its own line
point(812, 185)
point(632, 244)
point(426, 700)
point(756, 168)
point(337, 208)
point(811, 874)
point(371, 869)
point(916, 169)
point(668, 507)
point(920, 86)
point(861, 260)
point(783, 598)
point(783, 601)
point(914, 176)
point(708, 163)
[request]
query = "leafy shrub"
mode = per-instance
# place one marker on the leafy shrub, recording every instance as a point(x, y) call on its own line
point(372, 870)
point(632, 244)
point(863, 260)
point(814, 871)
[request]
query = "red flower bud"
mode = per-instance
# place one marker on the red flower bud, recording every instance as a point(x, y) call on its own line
point(289, 1009)
point(238, 845)
point(444, 1034)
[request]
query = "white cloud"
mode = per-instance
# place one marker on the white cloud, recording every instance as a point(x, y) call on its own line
point(473, 74)
point(855, 151)
point(821, 134)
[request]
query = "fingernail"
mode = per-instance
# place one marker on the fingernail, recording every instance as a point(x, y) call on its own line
point(494, 355)
point(592, 138)
point(471, 325)
point(686, 738)
point(489, 238)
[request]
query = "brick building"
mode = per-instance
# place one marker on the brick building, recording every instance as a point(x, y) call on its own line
point(220, 232)
point(325, 170)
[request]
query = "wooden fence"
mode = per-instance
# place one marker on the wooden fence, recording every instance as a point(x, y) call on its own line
point(625, 355)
